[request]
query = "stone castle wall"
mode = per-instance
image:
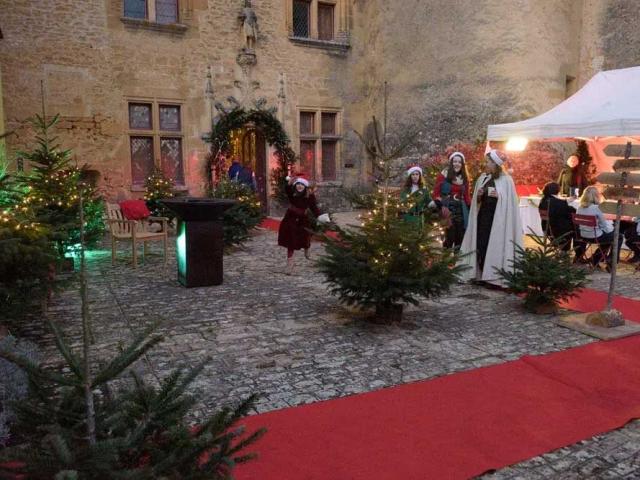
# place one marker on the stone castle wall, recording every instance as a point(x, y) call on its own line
point(452, 67)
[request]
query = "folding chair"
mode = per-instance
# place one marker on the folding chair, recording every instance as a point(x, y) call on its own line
point(589, 221)
point(544, 217)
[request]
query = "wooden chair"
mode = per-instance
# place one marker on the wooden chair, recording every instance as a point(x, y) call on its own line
point(135, 231)
point(589, 221)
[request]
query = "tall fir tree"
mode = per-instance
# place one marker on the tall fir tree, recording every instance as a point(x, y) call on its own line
point(77, 425)
point(388, 261)
point(26, 253)
point(53, 190)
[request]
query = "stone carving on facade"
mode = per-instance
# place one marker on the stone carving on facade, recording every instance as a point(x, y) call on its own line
point(247, 56)
point(249, 26)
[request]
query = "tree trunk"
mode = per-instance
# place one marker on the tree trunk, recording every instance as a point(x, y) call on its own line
point(389, 312)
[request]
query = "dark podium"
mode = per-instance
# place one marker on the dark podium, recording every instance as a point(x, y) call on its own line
point(199, 243)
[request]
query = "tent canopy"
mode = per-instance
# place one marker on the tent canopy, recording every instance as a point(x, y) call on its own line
point(605, 112)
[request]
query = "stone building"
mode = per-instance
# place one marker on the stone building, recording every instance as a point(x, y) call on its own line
point(129, 77)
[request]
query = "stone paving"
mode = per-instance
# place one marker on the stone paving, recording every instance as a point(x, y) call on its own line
point(285, 337)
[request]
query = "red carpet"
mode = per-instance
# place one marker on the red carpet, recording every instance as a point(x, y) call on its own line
point(456, 426)
point(270, 224)
point(594, 300)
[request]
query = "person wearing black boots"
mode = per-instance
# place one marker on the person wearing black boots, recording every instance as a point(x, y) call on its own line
point(632, 238)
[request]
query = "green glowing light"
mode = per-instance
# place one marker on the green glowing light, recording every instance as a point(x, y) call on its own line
point(181, 250)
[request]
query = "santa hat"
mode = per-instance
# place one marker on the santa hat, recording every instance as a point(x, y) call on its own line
point(457, 154)
point(415, 168)
point(300, 179)
point(496, 157)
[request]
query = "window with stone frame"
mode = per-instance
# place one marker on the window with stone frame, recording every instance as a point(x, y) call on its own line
point(301, 18)
point(135, 8)
point(155, 140)
point(158, 11)
point(317, 19)
point(320, 137)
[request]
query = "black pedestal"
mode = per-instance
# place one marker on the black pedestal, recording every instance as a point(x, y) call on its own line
point(199, 245)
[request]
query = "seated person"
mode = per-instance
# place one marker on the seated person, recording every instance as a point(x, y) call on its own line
point(603, 232)
point(632, 236)
point(560, 219)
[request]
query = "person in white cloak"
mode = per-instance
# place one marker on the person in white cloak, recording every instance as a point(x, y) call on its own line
point(494, 227)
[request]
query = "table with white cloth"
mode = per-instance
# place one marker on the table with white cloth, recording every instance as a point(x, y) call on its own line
point(529, 215)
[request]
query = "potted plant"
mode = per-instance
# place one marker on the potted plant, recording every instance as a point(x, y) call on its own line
point(545, 275)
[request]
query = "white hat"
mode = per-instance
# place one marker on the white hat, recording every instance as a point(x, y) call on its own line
point(457, 154)
point(303, 181)
point(414, 169)
point(497, 159)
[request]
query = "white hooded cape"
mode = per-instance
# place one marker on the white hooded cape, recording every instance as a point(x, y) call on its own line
point(506, 232)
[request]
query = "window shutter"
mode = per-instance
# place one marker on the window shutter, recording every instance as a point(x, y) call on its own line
point(329, 160)
point(325, 21)
point(167, 11)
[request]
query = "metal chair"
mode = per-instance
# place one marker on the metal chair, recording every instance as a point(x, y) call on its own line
point(135, 231)
point(589, 221)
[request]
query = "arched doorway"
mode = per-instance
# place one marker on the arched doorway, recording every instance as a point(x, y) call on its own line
point(260, 137)
point(254, 155)
point(249, 147)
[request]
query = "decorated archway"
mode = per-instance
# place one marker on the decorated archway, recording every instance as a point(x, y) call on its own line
point(232, 130)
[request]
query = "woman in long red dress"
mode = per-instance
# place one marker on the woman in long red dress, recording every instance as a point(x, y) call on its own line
point(293, 233)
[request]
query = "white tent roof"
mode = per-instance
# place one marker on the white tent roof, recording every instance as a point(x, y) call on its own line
point(607, 106)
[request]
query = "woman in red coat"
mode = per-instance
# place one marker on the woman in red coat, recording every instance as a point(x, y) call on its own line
point(452, 192)
point(293, 234)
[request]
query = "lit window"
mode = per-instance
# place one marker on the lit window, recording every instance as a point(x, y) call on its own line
point(319, 151)
point(155, 127)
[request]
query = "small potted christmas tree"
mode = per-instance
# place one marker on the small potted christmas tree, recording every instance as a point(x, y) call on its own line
point(545, 275)
point(388, 261)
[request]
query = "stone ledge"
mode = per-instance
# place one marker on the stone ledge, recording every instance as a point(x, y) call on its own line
point(334, 46)
point(139, 23)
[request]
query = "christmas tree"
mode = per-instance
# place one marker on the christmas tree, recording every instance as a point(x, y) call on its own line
point(26, 254)
point(589, 169)
point(544, 274)
point(53, 188)
point(77, 425)
point(240, 219)
point(387, 261)
point(158, 186)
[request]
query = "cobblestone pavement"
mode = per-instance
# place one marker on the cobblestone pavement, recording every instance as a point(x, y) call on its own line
point(288, 339)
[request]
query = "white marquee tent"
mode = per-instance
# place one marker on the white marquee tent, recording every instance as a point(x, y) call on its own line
point(605, 113)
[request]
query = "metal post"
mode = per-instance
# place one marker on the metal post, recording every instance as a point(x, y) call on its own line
point(616, 235)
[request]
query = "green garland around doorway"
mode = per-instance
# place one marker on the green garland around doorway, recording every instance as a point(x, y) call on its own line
point(274, 134)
